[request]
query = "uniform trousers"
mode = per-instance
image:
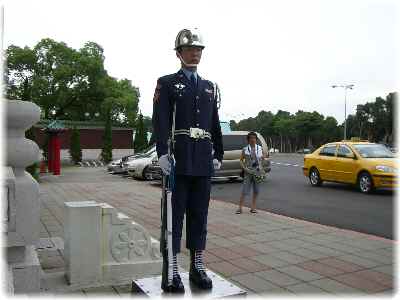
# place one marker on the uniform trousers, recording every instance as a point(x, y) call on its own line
point(190, 196)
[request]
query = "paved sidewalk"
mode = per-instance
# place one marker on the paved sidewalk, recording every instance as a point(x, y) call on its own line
point(264, 253)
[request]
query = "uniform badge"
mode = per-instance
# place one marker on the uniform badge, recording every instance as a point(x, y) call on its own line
point(208, 91)
point(180, 86)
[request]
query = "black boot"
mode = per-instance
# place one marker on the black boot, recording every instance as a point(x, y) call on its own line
point(197, 274)
point(177, 285)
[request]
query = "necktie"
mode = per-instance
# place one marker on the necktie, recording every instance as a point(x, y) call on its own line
point(193, 80)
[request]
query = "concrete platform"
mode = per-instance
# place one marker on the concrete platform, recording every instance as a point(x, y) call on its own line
point(151, 287)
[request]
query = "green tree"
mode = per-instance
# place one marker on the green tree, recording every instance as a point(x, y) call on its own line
point(19, 72)
point(330, 132)
point(123, 98)
point(147, 124)
point(233, 124)
point(66, 83)
point(374, 120)
point(106, 152)
point(140, 142)
point(75, 146)
point(391, 100)
point(361, 118)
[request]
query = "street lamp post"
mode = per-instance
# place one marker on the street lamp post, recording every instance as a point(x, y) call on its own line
point(345, 87)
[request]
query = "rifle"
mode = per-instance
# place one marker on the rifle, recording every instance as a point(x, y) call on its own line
point(168, 182)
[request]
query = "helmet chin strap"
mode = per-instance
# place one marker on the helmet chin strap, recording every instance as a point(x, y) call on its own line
point(186, 64)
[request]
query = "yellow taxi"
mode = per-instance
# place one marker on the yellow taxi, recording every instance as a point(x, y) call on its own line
point(364, 164)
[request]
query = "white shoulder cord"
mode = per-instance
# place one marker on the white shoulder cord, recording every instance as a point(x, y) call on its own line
point(173, 130)
point(215, 90)
point(217, 94)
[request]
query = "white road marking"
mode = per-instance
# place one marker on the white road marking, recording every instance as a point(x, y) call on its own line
point(285, 164)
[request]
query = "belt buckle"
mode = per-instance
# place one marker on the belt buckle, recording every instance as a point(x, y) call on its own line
point(196, 133)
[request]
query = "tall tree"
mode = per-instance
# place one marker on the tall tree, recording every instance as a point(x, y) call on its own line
point(75, 146)
point(140, 142)
point(106, 152)
point(66, 83)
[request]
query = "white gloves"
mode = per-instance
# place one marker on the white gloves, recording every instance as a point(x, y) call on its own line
point(165, 164)
point(217, 164)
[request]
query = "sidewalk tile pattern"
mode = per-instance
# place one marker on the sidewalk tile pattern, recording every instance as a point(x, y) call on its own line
point(265, 253)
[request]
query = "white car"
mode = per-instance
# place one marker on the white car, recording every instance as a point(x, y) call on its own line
point(118, 166)
point(114, 166)
point(138, 166)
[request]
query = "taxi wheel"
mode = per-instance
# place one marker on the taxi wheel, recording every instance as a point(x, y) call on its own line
point(314, 177)
point(365, 184)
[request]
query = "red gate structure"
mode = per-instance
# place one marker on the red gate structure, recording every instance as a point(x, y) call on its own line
point(53, 131)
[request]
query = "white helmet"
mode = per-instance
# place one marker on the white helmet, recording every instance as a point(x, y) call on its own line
point(189, 37)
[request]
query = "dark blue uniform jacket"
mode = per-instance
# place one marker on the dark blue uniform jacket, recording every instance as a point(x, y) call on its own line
point(195, 107)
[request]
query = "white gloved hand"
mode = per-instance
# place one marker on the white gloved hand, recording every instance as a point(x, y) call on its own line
point(217, 164)
point(165, 164)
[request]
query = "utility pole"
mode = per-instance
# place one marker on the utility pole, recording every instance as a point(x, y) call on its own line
point(345, 87)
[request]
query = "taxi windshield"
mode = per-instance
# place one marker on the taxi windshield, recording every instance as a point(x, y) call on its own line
point(373, 151)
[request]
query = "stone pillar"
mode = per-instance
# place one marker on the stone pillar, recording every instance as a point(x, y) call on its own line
point(82, 246)
point(104, 246)
point(20, 241)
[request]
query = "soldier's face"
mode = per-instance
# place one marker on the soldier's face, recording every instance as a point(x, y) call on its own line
point(191, 55)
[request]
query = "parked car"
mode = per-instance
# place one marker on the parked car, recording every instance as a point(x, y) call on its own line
point(304, 151)
point(273, 150)
point(366, 165)
point(114, 166)
point(139, 166)
point(234, 142)
point(117, 166)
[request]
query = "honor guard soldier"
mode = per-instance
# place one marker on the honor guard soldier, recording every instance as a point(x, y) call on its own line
point(187, 105)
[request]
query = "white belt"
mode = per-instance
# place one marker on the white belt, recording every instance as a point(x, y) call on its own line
point(196, 133)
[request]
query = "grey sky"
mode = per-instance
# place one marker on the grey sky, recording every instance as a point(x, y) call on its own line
point(266, 55)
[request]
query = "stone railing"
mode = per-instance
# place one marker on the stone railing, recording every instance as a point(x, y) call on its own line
point(104, 246)
point(23, 197)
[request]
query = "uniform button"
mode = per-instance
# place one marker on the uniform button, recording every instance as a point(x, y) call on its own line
point(198, 111)
point(197, 97)
point(197, 124)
